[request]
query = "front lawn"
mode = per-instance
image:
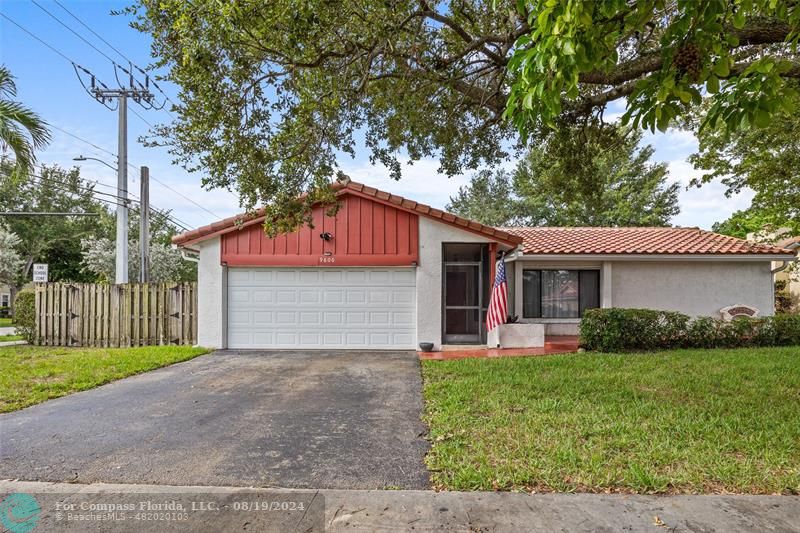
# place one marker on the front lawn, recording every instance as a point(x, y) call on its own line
point(6, 338)
point(33, 374)
point(6, 322)
point(686, 421)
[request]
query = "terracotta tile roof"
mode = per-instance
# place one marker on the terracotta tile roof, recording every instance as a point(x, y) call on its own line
point(549, 240)
point(353, 187)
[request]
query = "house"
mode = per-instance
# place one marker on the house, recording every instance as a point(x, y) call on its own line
point(790, 275)
point(387, 272)
point(5, 296)
point(782, 238)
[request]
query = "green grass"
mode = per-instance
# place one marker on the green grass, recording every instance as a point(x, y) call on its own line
point(5, 322)
point(33, 374)
point(686, 421)
point(6, 338)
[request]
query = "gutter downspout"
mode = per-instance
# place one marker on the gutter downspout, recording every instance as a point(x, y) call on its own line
point(185, 256)
point(786, 262)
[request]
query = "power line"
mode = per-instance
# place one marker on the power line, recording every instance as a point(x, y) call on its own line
point(117, 199)
point(122, 55)
point(133, 110)
point(12, 21)
point(73, 15)
point(78, 35)
point(90, 143)
point(45, 214)
point(137, 168)
point(180, 194)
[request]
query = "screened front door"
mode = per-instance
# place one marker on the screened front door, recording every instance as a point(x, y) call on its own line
point(463, 293)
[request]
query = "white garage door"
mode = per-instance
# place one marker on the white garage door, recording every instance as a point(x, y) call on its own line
point(321, 308)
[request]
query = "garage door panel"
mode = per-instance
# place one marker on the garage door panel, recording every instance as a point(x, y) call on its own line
point(321, 308)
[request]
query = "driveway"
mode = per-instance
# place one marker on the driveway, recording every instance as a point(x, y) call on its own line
point(284, 419)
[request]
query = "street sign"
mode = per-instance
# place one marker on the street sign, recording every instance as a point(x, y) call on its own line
point(40, 272)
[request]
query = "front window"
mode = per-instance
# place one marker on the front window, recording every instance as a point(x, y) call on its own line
point(559, 293)
point(5, 300)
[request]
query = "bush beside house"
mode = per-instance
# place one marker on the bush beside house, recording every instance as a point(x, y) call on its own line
point(616, 329)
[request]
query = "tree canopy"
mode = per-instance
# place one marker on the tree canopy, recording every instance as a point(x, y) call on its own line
point(53, 240)
point(61, 241)
point(577, 176)
point(766, 161)
point(273, 93)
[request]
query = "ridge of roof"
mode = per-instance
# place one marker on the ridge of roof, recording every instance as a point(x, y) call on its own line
point(348, 186)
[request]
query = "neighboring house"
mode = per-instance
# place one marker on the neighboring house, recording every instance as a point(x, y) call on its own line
point(791, 275)
point(5, 296)
point(782, 238)
point(387, 272)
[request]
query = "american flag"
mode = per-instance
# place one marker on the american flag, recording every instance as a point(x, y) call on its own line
point(498, 301)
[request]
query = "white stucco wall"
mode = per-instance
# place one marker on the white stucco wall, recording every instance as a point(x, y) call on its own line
point(212, 302)
point(429, 276)
point(694, 288)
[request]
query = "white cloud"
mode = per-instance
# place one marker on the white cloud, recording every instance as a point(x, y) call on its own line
point(706, 205)
point(420, 181)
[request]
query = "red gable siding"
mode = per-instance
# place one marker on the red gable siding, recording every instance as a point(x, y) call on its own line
point(365, 233)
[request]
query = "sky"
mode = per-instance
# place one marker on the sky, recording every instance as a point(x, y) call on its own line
point(47, 83)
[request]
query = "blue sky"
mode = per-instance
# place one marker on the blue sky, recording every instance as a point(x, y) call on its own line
point(47, 83)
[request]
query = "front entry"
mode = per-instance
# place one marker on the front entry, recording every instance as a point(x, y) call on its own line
point(465, 293)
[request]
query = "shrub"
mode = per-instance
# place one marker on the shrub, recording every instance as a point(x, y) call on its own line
point(613, 330)
point(25, 315)
point(618, 329)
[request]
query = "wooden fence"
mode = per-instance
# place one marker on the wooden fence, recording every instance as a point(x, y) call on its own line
point(134, 314)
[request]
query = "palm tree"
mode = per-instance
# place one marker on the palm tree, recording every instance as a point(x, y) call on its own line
point(21, 129)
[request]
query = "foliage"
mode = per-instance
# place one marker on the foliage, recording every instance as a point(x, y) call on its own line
point(489, 199)
point(21, 129)
point(10, 261)
point(740, 223)
point(765, 160)
point(588, 175)
point(52, 240)
point(58, 240)
point(617, 329)
point(679, 421)
point(166, 263)
point(784, 301)
point(25, 314)
point(577, 56)
point(33, 374)
point(273, 92)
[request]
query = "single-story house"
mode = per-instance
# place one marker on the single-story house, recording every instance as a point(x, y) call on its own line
point(387, 272)
point(5, 296)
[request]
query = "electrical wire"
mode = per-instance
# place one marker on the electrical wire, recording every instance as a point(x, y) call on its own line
point(138, 168)
point(82, 23)
point(117, 199)
point(78, 35)
point(122, 55)
point(133, 110)
point(12, 21)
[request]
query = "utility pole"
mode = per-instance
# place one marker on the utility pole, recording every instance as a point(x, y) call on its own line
point(122, 191)
point(144, 226)
point(141, 94)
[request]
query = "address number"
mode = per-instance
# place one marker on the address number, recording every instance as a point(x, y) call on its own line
point(327, 259)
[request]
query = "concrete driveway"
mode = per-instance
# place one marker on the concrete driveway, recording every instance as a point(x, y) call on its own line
point(284, 419)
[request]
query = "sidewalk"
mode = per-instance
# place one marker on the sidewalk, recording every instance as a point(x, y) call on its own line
point(387, 510)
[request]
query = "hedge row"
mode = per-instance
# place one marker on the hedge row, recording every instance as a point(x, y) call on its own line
point(615, 329)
